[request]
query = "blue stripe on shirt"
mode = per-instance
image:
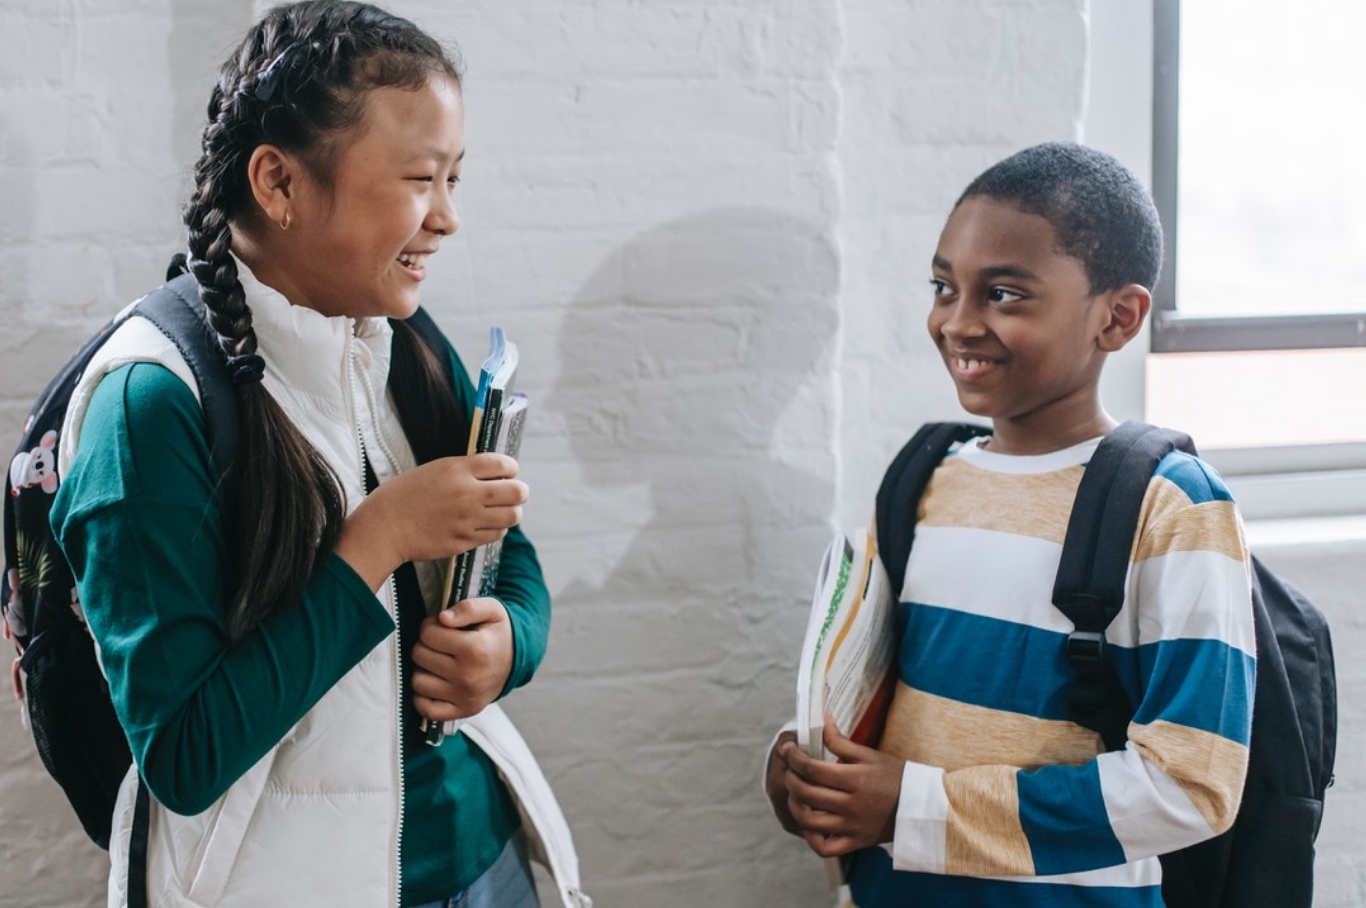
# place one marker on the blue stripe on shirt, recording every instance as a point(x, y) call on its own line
point(1196, 479)
point(997, 664)
point(1204, 684)
point(1054, 847)
point(873, 884)
point(1022, 669)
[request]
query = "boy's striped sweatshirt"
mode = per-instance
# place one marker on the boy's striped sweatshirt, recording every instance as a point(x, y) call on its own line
point(1004, 801)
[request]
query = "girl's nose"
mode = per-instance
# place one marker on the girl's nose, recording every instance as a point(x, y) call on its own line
point(443, 219)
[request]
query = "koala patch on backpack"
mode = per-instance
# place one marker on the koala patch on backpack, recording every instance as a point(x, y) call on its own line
point(37, 467)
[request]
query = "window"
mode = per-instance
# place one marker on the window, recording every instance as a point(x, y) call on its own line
point(1259, 321)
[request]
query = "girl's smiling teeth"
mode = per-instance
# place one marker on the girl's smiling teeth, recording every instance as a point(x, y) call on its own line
point(413, 261)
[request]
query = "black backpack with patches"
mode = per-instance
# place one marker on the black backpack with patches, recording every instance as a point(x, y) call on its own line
point(57, 674)
point(1267, 856)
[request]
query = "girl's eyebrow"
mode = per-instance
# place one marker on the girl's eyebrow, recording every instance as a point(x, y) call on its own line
point(434, 154)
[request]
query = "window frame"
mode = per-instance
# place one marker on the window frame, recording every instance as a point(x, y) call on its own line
point(1269, 483)
point(1173, 332)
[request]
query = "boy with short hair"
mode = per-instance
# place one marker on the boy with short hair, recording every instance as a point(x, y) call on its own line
point(982, 791)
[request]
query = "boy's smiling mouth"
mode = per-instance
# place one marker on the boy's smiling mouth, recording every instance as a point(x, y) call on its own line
point(970, 366)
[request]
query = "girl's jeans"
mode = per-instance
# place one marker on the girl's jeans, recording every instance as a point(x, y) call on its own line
point(507, 884)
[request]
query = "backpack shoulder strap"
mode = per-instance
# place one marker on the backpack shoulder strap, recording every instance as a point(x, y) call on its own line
point(898, 497)
point(175, 310)
point(1089, 587)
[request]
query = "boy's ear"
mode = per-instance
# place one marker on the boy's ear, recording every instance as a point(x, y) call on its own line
point(271, 175)
point(1127, 307)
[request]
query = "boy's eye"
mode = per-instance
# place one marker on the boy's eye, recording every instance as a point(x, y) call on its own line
point(1002, 295)
point(940, 288)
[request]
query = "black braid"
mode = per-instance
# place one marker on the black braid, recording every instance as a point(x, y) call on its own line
point(210, 228)
point(283, 505)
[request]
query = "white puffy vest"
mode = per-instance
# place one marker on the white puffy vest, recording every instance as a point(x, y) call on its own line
point(316, 821)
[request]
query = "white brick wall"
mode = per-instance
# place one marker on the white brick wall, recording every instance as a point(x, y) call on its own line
point(660, 204)
point(96, 138)
point(933, 93)
point(707, 224)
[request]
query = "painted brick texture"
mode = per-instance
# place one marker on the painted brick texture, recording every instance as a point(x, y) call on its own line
point(707, 223)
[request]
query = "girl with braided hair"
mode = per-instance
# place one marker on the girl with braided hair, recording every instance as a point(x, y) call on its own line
point(267, 633)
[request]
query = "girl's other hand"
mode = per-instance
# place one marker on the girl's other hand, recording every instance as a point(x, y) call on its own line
point(462, 659)
point(435, 511)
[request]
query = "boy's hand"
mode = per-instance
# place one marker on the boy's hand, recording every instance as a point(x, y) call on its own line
point(842, 807)
point(775, 782)
point(462, 659)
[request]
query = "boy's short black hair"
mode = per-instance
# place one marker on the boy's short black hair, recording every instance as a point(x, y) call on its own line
point(1101, 213)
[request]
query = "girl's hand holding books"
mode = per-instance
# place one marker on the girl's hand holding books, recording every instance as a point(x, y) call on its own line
point(463, 658)
point(431, 512)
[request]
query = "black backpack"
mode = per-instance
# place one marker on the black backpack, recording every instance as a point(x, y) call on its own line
point(65, 694)
point(1267, 856)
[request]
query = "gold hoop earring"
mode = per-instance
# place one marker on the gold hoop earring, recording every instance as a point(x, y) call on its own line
point(285, 222)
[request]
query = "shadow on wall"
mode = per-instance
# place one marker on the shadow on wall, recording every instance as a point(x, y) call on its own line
point(697, 397)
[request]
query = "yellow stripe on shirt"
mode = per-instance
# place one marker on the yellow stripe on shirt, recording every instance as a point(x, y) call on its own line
point(1212, 526)
point(967, 735)
point(974, 847)
point(1188, 753)
point(963, 495)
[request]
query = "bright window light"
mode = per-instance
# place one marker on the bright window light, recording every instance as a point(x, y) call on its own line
point(1270, 221)
point(1272, 186)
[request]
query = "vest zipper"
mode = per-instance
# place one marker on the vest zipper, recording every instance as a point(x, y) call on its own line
point(396, 866)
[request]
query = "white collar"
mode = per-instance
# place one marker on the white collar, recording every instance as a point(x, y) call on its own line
point(307, 351)
point(973, 452)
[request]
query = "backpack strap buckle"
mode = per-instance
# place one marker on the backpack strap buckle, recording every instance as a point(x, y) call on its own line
point(1085, 649)
point(1085, 646)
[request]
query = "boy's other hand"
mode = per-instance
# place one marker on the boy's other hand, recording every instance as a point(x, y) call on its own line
point(775, 782)
point(842, 807)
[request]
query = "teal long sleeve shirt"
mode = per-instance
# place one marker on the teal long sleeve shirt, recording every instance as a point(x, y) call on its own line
point(139, 520)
